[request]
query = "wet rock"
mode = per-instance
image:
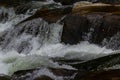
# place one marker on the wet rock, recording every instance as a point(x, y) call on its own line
point(67, 2)
point(30, 6)
point(104, 27)
point(52, 15)
point(14, 3)
point(74, 28)
point(43, 78)
point(106, 1)
point(83, 8)
point(102, 75)
point(63, 72)
point(44, 74)
point(4, 77)
point(98, 63)
point(66, 61)
point(91, 22)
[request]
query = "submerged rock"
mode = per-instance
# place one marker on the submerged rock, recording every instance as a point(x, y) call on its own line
point(35, 5)
point(4, 77)
point(98, 63)
point(43, 78)
point(95, 69)
point(44, 74)
point(67, 2)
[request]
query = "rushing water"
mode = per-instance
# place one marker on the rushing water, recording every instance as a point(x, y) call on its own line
point(31, 46)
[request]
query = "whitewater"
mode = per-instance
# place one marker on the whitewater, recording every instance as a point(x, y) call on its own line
point(37, 50)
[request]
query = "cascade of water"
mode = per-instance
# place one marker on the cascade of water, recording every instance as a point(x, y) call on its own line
point(37, 37)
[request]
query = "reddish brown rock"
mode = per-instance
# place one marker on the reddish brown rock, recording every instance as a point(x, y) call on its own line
point(88, 7)
point(51, 15)
point(103, 75)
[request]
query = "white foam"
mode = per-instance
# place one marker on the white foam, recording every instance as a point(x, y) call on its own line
point(6, 59)
point(83, 50)
point(11, 61)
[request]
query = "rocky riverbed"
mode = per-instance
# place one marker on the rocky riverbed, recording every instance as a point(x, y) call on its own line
point(59, 40)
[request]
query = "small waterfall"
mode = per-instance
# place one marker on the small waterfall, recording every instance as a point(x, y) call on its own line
point(23, 37)
point(26, 36)
point(114, 42)
point(24, 44)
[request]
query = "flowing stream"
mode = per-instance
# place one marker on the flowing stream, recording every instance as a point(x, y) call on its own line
point(28, 46)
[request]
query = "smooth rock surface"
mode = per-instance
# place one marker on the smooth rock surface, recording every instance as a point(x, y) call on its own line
point(70, 2)
point(103, 75)
point(52, 15)
point(74, 28)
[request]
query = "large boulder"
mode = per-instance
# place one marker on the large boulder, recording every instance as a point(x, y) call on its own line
point(74, 27)
point(91, 22)
point(92, 27)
